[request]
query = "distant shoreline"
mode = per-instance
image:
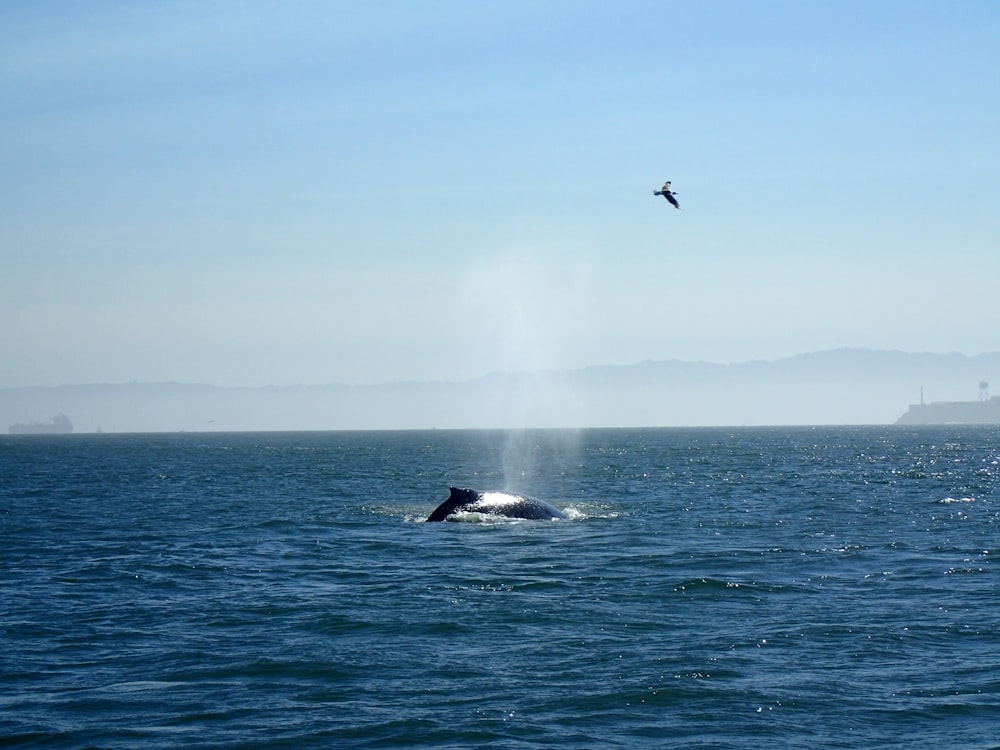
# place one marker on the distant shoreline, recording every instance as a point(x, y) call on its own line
point(838, 387)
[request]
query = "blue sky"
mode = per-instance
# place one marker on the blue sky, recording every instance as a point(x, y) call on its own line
point(297, 193)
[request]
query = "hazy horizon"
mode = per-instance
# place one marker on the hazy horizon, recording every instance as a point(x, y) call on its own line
point(847, 350)
point(846, 386)
point(250, 194)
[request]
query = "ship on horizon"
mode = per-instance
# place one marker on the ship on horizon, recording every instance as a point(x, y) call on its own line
point(58, 425)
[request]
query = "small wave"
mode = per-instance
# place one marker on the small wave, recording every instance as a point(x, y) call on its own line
point(970, 570)
point(717, 584)
point(138, 686)
point(574, 513)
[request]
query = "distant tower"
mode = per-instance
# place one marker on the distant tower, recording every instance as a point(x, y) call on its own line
point(984, 390)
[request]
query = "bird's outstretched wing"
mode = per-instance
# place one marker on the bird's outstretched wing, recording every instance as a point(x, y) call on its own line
point(667, 193)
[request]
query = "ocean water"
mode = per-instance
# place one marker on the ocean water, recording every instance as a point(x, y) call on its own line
point(713, 588)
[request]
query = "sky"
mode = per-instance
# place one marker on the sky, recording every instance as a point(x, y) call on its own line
point(257, 193)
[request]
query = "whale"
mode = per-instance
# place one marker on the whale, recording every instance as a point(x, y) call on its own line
point(464, 500)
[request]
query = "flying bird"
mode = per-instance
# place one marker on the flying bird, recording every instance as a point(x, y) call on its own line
point(667, 193)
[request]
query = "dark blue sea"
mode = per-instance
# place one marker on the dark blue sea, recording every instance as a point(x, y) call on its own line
point(712, 588)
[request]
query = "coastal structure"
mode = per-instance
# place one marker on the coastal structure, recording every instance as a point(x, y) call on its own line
point(984, 410)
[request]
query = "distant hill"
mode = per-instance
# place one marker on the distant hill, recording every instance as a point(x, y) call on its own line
point(843, 386)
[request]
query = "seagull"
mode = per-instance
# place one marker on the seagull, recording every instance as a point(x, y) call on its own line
point(667, 193)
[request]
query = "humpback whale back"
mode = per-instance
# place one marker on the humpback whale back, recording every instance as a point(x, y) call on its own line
point(494, 503)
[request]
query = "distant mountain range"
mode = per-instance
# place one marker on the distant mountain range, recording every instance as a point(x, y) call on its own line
point(842, 386)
